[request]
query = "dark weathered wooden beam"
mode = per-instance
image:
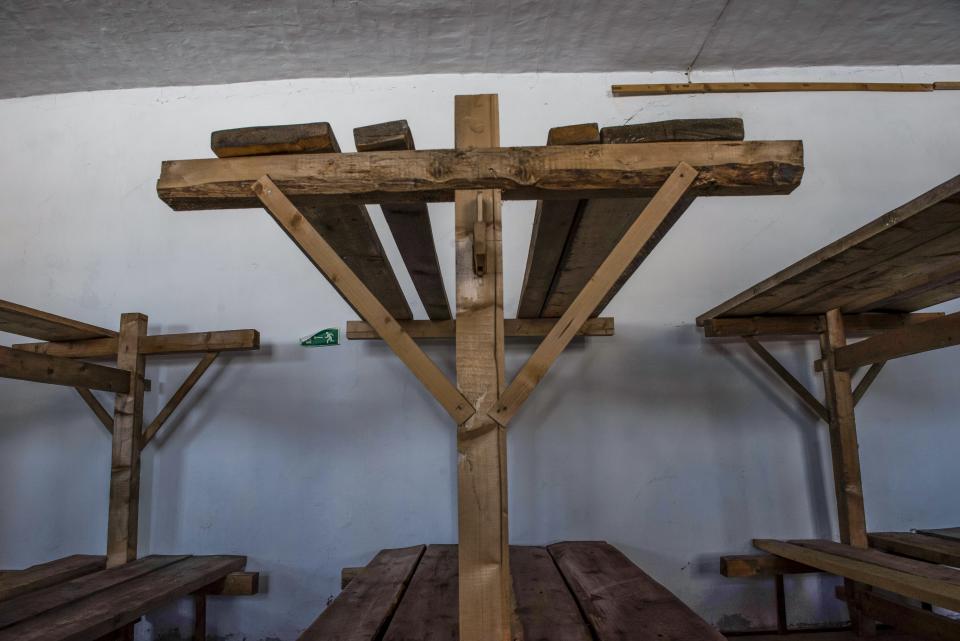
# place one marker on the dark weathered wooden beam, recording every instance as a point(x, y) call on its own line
point(744, 565)
point(512, 328)
point(656, 89)
point(309, 138)
point(409, 222)
point(680, 130)
point(522, 173)
point(913, 339)
point(189, 343)
point(799, 388)
point(905, 618)
point(855, 324)
point(61, 371)
point(26, 321)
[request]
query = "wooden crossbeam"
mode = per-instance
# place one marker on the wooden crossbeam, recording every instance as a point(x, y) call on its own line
point(799, 388)
point(187, 343)
point(522, 173)
point(324, 258)
point(512, 328)
point(855, 324)
point(655, 89)
point(26, 321)
point(645, 227)
point(744, 565)
point(905, 618)
point(61, 371)
point(177, 398)
point(913, 339)
point(98, 410)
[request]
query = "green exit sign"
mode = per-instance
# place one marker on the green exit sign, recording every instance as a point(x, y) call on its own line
point(323, 338)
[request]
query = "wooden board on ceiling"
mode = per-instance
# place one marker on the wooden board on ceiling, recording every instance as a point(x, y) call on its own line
point(25, 321)
point(601, 222)
point(905, 260)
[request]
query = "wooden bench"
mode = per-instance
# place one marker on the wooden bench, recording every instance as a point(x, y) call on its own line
point(76, 599)
point(574, 591)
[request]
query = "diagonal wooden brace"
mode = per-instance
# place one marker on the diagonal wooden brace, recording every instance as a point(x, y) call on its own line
point(177, 398)
point(99, 410)
point(313, 245)
point(801, 391)
point(644, 228)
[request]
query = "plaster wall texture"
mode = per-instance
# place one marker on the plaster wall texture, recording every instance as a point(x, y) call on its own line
point(675, 449)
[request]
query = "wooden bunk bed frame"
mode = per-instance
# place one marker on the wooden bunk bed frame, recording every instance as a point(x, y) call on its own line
point(87, 597)
point(605, 199)
point(872, 282)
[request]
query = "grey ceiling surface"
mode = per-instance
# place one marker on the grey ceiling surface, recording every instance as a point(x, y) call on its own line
point(51, 46)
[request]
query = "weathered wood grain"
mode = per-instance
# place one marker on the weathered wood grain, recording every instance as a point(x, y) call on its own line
point(26, 321)
point(918, 546)
point(680, 130)
point(308, 138)
point(854, 324)
point(223, 341)
point(913, 339)
point(747, 565)
point(55, 370)
point(545, 608)
point(428, 611)
point(903, 564)
point(17, 582)
point(512, 328)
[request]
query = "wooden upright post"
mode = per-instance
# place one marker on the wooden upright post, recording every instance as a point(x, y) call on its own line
point(485, 588)
point(125, 458)
point(851, 516)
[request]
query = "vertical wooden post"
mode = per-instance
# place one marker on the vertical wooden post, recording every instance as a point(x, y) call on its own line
point(484, 588)
point(199, 616)
point(851, 516)
point(125, 457)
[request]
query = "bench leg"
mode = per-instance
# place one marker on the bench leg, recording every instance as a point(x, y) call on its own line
point(199, 617)
point(781, 605)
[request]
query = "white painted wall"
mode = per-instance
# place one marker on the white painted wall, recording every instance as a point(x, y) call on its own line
point(673, 448)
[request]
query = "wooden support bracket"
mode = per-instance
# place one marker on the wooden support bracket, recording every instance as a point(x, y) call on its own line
point(177, 397)
point(869, 376)
point(99, 410)
point(801, 391)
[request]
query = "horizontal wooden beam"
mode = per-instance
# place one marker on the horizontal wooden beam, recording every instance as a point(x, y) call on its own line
point(235, 584)
point(194, 342)
point(746, 565)
point(804, 325)
point(42, 368)
point(523, 173)
point(913, 339)
point(656, 89)
point(905, 618)
point(513, 328)
point(26, 321)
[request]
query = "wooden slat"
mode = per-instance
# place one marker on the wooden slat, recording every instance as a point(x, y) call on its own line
point(855, 324)
point(760, 87)
point(544, 606)
point(552, 223)
point(113, 608)
point(905, 618)
point(748, 565)
point(523, 173)
point(914, 339)
point(28, 605)
point(42, 575)
point(952, 533)
point(174, 402)
point(602, 222)
point(363, 608)
point(41, 368)
point(644, 230)
point(911, 566)
point(189, 343)
point(409, 222)
point(937, 592)
point(428, 611)
point(512, 328)
point(620, 601)
point(324, 258)
point(25, 321)
point(308, 138)
point(924, 219)
point(484, 579)
point(918, 546)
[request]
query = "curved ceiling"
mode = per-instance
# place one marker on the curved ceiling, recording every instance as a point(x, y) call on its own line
point(49, 46)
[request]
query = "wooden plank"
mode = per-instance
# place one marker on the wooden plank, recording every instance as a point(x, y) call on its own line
point(855, 324)
point(918, 546)
point(235, 584)
point(905, 618)
point(937, 592)
point(553, 222)
point(308, 138)
point(348, 574)
point(654, 89)
point(113, 608)
point(363, 609)
point(914, 339)
point(544, 606)
point(232, 340)
point(428, 611)
point(98, 410)
point(798, 388)
point(512, 328)
point(923, 219)
point(324, 258)
point(602, 222)
point(911, 566)
point(523, 173)
point(484, 563)
point(646, 228)
point(41, 368)
point(174, 402)
point(67, 590)
point(622, 602)
point(17, 582)
point(124, 505)
point(750, 565)
point(409, 222)
point(25, 321)
point(952, 533)
point(680, 130)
